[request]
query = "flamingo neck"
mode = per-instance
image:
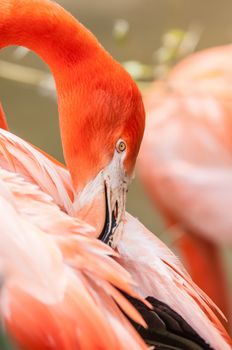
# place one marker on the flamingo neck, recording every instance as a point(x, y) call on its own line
point(71, 51)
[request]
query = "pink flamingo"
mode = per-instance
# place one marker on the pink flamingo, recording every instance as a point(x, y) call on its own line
point(187, 148)
point(62, 287)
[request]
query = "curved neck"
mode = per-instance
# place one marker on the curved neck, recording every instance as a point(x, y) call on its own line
point(71, 51)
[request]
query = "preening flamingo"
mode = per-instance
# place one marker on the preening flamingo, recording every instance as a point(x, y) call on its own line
point(64, 287)
point(187, 148)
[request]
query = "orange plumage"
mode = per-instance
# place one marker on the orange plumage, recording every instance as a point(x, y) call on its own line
point(64, 287)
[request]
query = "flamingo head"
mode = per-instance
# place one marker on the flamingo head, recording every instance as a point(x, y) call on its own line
point(107, 134)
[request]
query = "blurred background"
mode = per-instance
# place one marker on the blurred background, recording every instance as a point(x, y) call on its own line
point(147, 36)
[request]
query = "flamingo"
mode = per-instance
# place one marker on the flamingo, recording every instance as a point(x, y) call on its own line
point(187, 147)
point(66, 285)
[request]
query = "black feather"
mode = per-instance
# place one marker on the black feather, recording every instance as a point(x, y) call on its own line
point(167, 330)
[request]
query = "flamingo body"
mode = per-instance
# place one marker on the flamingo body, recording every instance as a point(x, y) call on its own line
point(191, 151)
point(62, 287)
point(48, 258)
point(187, 146)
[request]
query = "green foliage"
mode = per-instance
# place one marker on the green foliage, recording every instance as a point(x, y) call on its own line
point(175, 45)
point(120, 31)
point(138, 70)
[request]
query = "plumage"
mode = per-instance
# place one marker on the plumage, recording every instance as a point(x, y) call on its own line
point(187, 148)
point(167, 329)
point(159, 274)
point(156, 271)
point(62, 287)
point(53, 267)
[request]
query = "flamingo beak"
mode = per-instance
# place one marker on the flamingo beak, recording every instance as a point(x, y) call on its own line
point(102, 202)
point(110, 223)
point(115, 201)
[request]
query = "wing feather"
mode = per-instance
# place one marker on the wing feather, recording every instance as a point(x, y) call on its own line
point(159, 274)
point(59, 283)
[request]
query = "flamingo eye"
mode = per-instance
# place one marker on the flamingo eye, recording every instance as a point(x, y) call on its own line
point(121, 146)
